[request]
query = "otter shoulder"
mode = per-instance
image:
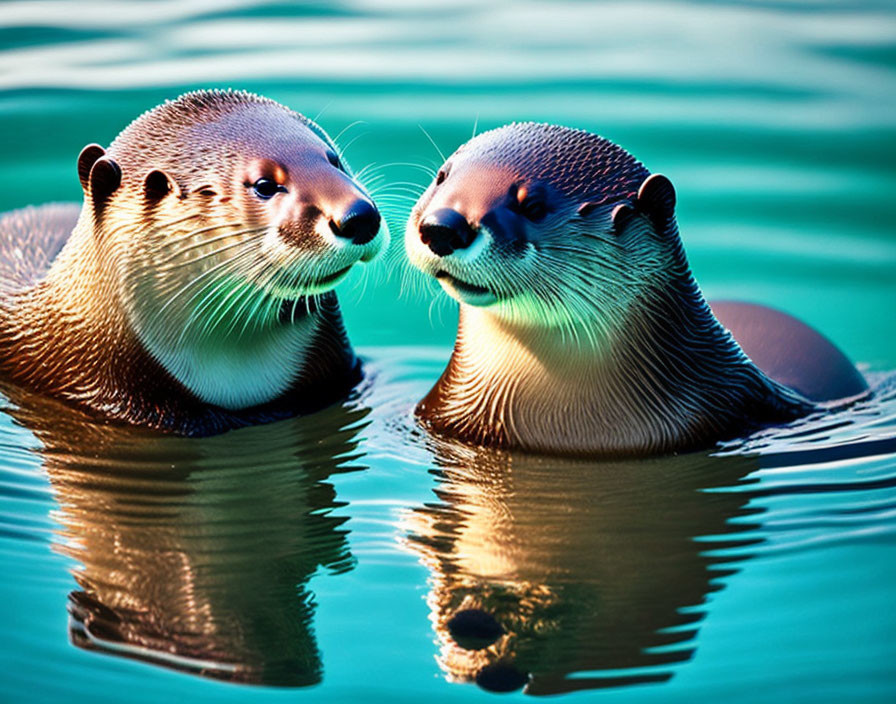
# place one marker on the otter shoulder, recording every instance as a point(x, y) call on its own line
point(791, 352)
point(30, 238)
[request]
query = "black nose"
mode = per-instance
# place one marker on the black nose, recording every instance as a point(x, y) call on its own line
point(360, 223)
point(445, 231)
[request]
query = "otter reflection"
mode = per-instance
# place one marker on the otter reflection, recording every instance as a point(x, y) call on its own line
point(563, 575)
point(195, 554)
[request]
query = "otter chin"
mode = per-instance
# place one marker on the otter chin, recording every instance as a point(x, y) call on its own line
point(193, 290)
point(581, 328)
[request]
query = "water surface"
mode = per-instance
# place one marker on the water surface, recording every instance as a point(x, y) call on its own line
point(346, 556)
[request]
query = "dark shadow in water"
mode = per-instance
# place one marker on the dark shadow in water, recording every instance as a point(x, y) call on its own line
point(562, 575)
point(195, 554)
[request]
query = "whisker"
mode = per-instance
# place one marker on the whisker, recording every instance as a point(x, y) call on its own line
point(244, 291)
point(322, 111)
point(177, 221)
point(354, 139)
point(207, 242)
point(433, 142)
point(171, 241)
point(347, 128)
point(233, 261)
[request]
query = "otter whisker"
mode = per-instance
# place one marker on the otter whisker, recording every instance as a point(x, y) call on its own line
point(433, 142)
point(362, 173)
point(206, 242)
point(163, 226)
point(242, 266)
point(347, 128)
point(232, 262)
point(293, 280)
point(396, 191)
point(244, 289)
point(348, 146)
point(411, 280)
point(397, 196)
point(418, 188)
point(268, 304)
point(261, 293)
point(208, 255)
point(217, 313)
point(173, 241)
point(428, 170)
point(207, 295)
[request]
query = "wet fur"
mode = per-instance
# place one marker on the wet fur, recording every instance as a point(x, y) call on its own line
point(72, 283)
point(675, 381)
point(604, 344)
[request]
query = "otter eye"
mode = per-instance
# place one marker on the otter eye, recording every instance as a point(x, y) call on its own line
point(267, 188)
point(333, 158)
point(533, 209)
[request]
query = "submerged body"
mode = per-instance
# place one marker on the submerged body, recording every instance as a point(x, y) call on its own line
point(582, 330)
point(192, 292)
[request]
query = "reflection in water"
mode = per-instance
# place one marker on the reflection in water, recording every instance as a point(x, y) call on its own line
point(195, 553)
point(562, 575)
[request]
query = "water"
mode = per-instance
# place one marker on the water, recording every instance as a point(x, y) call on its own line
point(331, 553)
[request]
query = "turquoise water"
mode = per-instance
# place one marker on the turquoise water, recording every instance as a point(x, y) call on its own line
point(324, 558)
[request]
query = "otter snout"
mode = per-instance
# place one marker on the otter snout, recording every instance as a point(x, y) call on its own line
point(445, 231)
point(359, 224)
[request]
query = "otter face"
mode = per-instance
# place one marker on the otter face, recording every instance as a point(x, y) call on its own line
point(233, 220)
point(265, 199)
point(519, 222)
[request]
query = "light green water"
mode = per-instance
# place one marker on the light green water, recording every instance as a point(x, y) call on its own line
point(328, 553)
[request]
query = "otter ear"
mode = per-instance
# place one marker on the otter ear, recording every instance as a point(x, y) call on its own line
point(86, 159)
point(656, 199)
point(105, 178)
point(585, 209)
point(157, 185)
point(622, 216)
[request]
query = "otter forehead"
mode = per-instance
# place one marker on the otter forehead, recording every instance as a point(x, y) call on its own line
point(578, 164)
point(264, 136)
point(205, 133)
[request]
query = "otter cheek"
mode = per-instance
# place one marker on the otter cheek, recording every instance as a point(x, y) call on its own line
point(506, 227)
point(274, 247)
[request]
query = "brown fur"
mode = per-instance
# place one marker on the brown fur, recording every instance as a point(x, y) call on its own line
point(158, 201)
point(581, 329)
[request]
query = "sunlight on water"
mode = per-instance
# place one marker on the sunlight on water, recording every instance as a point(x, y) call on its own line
point(350, 554)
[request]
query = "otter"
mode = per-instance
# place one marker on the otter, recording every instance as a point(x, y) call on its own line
point(582, 329)
point(193, 291)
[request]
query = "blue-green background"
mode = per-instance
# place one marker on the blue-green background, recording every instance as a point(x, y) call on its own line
point(775, 120)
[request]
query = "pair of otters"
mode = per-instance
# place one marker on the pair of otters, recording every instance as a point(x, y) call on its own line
point(193, 292)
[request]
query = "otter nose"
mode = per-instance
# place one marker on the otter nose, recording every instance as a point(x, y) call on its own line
point(359, 224)
point(445, 231)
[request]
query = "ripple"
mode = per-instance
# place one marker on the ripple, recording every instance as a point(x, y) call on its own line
point(337, 550)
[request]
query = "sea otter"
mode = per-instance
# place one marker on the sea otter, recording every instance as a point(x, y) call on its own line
point(582, 330)
point(193, 291)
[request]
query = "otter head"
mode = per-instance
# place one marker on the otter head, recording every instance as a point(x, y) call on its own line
point(222, 221)
point(545, 227)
